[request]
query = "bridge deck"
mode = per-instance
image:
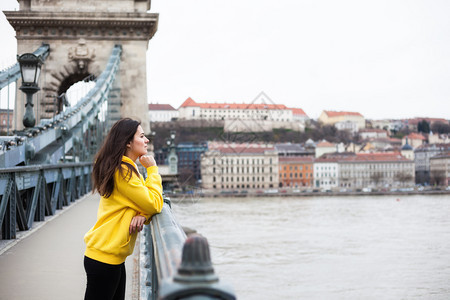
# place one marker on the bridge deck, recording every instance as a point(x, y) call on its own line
point(47, 262)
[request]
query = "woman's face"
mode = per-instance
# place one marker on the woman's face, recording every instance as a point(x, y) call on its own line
point(138, 146)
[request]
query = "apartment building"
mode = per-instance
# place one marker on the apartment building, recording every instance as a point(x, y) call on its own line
point(326, 172)
point(376, 170)
point(296, 171)
point(422, 156)
point(239, 167)
point(440, 169)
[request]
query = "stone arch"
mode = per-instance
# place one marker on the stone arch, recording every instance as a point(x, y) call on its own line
point(60, 81)
point(72, 34)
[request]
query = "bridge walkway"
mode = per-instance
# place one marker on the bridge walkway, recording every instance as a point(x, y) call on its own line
point(46, 262)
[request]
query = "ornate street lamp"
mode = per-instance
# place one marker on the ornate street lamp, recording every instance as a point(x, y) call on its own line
point(30, 68)
point(172, 157)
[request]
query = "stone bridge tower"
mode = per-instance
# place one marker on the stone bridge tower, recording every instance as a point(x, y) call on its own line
point(81, 35)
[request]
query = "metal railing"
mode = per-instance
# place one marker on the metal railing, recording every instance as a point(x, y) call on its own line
point(51, 139)
point(173, 266)
point(13, 73)
point(30, 193)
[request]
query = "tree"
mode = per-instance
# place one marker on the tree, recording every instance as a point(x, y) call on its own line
point(439, 127)
point(437, 177)
point(377, 177)
point(403, 177)
point(423, 126)
point(186, 179)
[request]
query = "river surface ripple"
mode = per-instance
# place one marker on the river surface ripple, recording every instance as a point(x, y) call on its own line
point(380, 247)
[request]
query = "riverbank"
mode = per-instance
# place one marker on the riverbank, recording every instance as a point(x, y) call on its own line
point(304, 193)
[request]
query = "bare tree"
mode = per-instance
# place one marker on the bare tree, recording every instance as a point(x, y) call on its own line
point(377, 177)
point(437, 177)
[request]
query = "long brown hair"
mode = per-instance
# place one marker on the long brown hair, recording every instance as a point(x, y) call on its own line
point(109, 157)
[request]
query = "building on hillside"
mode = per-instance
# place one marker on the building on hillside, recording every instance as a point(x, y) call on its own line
point(333, 117)
point(6, 119)
point(288, 149)
point(376, 170)
point(161, 112)
point(296, 171)
point(414, 140)
point(245, 117)
point(347, 125)
point(380, 145)
point(440, 169)
point(324, 147)
point(239, 167)
point(353, 147)
point(422, 156)
point(191, 110)
point(370, 133)
point(436, 138)
point(298, 115)
point(326, 172)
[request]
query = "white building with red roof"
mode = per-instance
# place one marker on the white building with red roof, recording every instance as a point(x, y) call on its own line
point(332, 117)
point(239, 167)
point(245, 117)
point(161, 112)
point(299, 115)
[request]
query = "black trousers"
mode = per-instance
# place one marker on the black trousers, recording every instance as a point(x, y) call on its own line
point(104, 281)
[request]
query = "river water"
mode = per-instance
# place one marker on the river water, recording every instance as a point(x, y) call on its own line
point(361, 247)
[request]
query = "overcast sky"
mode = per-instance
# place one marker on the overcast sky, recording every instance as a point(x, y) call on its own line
point(384, 58)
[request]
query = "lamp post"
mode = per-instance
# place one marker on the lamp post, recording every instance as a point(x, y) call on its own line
point(30, 68)
point(172, 155)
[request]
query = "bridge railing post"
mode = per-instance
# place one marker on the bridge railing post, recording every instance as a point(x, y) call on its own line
point(179, 267)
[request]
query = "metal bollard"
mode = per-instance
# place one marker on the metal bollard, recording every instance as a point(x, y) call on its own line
point(195, 278)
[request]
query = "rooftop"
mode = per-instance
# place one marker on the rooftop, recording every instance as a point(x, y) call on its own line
point(296, 159)
point(325, 144)
point(341, 113)
point(152, 106)
point(416, 136)
point(376, 157)
point(189, 102)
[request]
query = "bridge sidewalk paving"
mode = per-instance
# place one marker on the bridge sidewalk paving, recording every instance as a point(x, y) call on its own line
point(47, 261)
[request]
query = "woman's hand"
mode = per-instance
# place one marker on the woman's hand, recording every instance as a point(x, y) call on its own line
point(147, 161)
point(137, 223)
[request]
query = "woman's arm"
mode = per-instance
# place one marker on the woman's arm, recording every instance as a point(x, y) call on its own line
point(146, 197)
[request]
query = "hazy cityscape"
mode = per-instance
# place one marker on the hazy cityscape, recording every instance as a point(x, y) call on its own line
point(341, 151)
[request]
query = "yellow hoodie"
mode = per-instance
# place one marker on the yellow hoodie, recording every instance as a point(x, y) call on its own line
point(110, 241)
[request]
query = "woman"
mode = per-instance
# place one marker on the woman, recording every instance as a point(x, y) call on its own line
point(127, 203)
